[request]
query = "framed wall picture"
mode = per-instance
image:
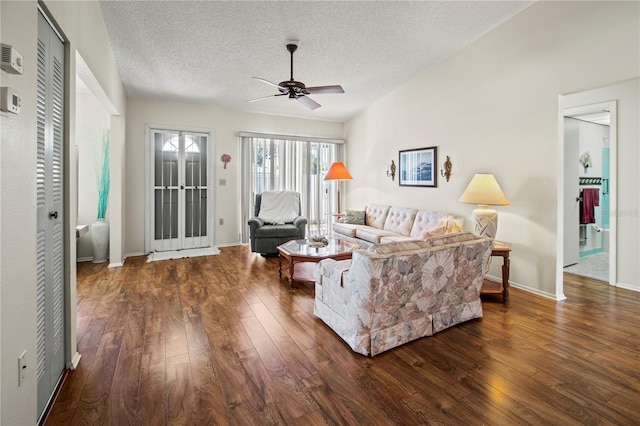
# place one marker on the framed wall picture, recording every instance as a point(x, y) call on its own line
point(418, 167)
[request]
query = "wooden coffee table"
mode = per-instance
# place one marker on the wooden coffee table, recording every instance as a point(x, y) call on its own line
point(297, 258)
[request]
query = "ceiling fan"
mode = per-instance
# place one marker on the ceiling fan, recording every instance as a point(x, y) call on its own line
point(296, 89)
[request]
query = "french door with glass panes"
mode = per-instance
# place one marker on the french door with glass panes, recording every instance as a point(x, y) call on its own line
point(180, 216)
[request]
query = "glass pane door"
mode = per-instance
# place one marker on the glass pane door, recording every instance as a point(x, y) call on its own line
point(180, 190)
point(195, 179)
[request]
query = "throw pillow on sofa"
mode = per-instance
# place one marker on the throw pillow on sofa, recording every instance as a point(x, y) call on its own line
point(354, 217)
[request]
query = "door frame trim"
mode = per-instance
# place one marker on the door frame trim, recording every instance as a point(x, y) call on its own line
point(148, 195)
point(612, 107)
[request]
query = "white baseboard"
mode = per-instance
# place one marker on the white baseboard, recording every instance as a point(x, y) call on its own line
point(111, 264)
point(536, 291)
point(128, 255)
point(628, 286)
point(237, 243)
point(73, 364)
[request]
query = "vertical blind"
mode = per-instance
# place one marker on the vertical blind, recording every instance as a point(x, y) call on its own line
point(274, 163)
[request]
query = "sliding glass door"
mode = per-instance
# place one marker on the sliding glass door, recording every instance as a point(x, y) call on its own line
point(271, 164)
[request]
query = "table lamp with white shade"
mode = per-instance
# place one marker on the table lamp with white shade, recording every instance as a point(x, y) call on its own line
point(484, 191)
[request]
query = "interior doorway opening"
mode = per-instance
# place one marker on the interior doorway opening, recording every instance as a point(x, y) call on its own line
point(589, 191)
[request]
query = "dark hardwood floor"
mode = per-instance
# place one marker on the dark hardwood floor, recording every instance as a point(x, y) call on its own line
point(221, 340)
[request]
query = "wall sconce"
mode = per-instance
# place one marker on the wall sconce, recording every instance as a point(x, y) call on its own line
point(446, 172)
point(391, 171)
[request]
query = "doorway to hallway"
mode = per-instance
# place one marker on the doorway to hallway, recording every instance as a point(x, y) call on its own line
point(590, 146)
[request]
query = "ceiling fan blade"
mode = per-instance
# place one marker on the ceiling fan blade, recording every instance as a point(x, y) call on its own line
point(270, 83)
point(265, 97)
point(308, 102)
point(324, 89)
point(296, 89)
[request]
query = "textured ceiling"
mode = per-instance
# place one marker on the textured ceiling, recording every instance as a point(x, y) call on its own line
point(208, 51)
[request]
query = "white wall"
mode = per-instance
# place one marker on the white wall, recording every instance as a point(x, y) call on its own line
point(493, 108)
point(17, 233)
point(225, 124)
point(81, 23)
point(592, 139)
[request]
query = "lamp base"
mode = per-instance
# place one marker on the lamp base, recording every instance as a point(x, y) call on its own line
point(485, 221)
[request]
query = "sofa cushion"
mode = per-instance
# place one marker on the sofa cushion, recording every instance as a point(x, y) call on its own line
point(277, 231)
point(429, 223)
point(447, 225)
point(400, 220)
point(355, 217)
point(372, 235)
point(375, 215)
point(347, 229)
point(397, 238)
point(399, 246)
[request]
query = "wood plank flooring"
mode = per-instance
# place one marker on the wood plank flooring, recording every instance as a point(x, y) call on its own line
point(221, 340)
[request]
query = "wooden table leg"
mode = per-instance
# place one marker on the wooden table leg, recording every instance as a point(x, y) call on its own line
point(505, 277)
point(291, 263)
point(501, 287)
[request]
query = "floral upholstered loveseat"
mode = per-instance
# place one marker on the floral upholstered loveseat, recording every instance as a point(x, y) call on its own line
point(393, 293)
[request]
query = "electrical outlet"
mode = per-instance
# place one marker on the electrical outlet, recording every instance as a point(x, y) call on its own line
point(222, 182)
point(22, 368)
point(221, 221)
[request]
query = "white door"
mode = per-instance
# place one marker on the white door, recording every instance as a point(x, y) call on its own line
point(180, 218)
point(50, 230)
point(571, 249)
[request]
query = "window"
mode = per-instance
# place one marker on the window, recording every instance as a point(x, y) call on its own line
point(273, 163)
point(171, 145)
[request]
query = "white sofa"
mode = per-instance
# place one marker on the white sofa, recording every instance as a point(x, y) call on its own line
point(390, 294)
point(387, 224)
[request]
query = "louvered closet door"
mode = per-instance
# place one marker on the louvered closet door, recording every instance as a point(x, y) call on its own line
point(50, 243)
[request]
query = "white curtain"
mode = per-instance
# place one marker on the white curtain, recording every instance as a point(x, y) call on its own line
point(272, 163)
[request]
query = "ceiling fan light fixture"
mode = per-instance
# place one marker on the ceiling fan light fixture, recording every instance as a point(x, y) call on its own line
point(296, 89)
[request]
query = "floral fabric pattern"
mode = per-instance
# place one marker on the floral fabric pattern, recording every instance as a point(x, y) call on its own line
point(384, 297)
